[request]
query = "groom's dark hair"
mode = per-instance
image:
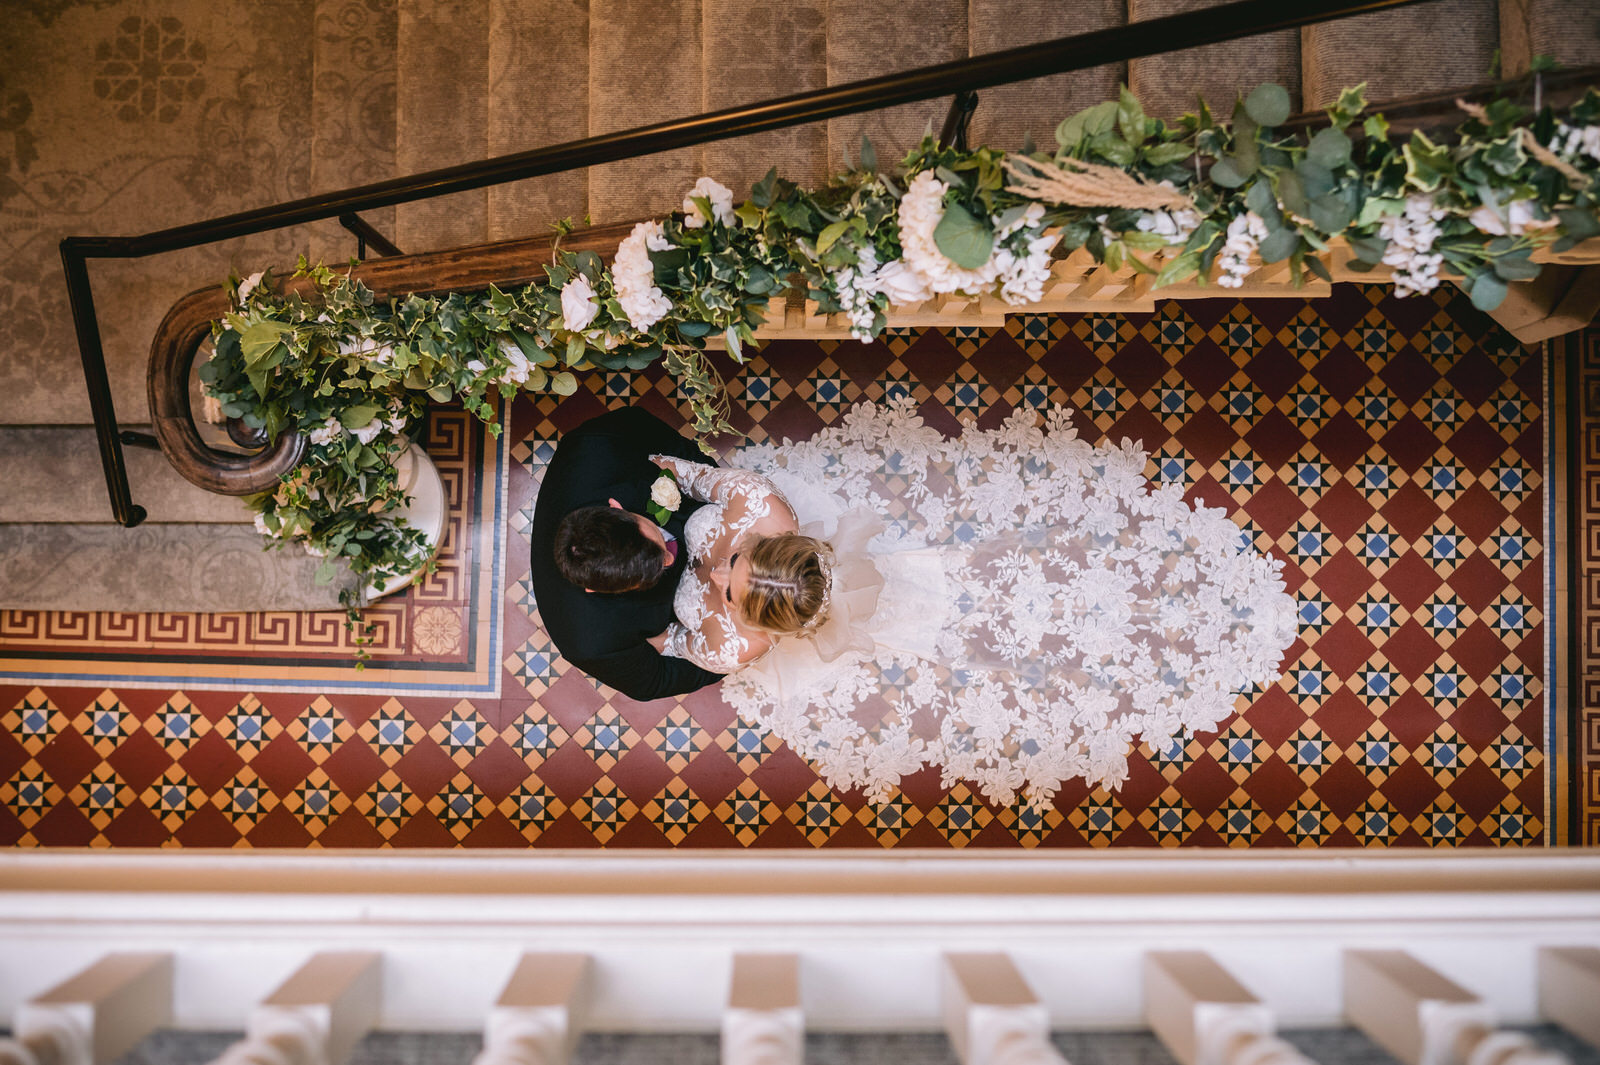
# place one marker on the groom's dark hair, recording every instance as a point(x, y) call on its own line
point(604, 550)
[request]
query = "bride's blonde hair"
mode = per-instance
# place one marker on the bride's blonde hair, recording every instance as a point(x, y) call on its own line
point(789, 584)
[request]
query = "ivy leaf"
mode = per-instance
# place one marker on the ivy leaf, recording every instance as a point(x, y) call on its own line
point(257, 342)
point(763, 192)
point(1329, 148)
point(1350, 104)
point(1487, 290)
point(1427, 164)
point(1505, 156)
point(357, 416)
point(831, 232)
point(1376, 127)
point(963, 238)
point(1268, 105)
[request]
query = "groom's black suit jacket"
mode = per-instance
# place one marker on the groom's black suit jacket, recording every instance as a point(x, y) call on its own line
point(605, 635)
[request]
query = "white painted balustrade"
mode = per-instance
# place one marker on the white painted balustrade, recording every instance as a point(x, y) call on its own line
point(991, 1014)
point(1424, 1018)
point(316, 1016)
point(764, 1023)
point(1205, 1016)
point(540, 1014)
point(95, 1016)
point(1569, 990)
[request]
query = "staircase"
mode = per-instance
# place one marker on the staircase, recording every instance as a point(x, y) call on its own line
point(209, 111)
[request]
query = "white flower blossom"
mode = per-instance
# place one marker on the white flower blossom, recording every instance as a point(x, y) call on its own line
point(1410, 251)
point(314, 551)
point(518, 367)
point(1576, 141)
point(578, 305)
point(211, 410)
point(327, 432)
point(397, 424)
point(902, 284)
point(857, 285)
point(1175, 226)
point(247, 286)
point(369, 432)
point(263, 529)
point(1245, 232)
point(1020, 261)
point(376, 352)
point(476, 367)
point(720, 197)
point(1520, 214)
point(664, 493)
point(634, 276)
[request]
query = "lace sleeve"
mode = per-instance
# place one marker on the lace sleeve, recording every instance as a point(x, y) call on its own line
point(747, 497)
point(717, 645)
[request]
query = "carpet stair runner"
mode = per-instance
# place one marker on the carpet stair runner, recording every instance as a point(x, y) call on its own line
point(391, 87)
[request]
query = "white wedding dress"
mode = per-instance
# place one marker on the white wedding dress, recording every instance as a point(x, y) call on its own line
point(1014, 606)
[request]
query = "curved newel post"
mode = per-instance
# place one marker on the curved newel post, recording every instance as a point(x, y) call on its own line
point(1569, 990)
point(94, 1016)
point(1424, 1018)
point(316, 1016)
point(1206, 1017)
point(764, 1024)
point(539, 1015)
point(991, 1014)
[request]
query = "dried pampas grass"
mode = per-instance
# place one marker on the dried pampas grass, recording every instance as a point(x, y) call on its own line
point(1081, 184)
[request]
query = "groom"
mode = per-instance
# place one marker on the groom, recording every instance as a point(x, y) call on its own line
point(604, 612)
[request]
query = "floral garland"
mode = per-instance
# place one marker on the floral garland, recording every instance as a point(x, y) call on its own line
point(354, 374)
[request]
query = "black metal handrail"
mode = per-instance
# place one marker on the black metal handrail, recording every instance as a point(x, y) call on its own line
point(1209, 26)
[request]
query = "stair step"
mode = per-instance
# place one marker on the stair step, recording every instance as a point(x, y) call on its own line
point(538, 96)
point(869, 38)
point(178, 568)
point(1400, 53)
point(52, 475)
point(441, 116)
point(644, 67)
point(1168, 84)
point(1568, 31)
point(352, 110)
point(1006, 113)
point(757, 52)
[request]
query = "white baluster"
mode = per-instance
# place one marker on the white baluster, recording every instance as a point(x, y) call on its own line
point(539, 1015)
point(1423, 1018)
point(1569, 989)
point(94, 1016)
point(991, 1014)
point(1206, 1017)
point(764, 1024)
point(316, 1016)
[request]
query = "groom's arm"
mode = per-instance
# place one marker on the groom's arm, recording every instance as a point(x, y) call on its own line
point(642, 674)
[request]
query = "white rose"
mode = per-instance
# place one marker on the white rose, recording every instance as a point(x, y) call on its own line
point(578, 306)
point(327, 433)
point(721, 198)
point(248, 285)
point(664, 493)
point(378, 353)
point(369, 432)
point(902, 284)
point(476, 367)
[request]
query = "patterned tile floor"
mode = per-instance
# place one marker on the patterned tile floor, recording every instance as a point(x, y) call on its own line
point(1393, 452)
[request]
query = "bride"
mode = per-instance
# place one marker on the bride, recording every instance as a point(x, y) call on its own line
point(1013, 605)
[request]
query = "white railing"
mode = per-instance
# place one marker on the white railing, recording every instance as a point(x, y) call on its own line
point(1433, 959)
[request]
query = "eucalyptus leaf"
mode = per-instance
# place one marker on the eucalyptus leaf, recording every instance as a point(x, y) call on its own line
point(1330, 214)
point(1329, 148)
point(1515, 268)
point(1268, 105)
point(1279, 245)
point(1225, 172)
point(1487, 291)
point(963, 238)
point(563, 383)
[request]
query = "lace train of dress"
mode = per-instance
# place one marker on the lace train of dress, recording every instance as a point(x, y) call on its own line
point(1013, 605)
